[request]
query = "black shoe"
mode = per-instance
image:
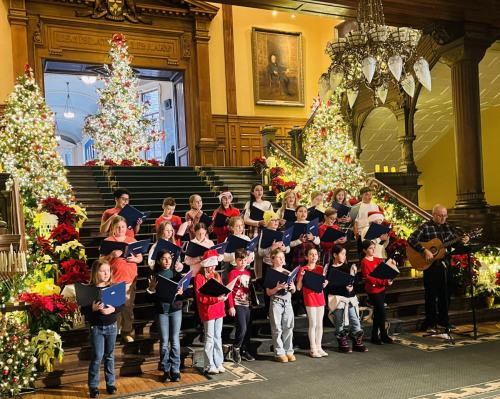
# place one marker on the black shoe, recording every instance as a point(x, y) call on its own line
point(94, 392)
point(111, 389)
point(247, 356)
point(386, 339)
point(161, 367)
point(376, 340)
point(236, 355)
point(176, 377)
point(166, 377)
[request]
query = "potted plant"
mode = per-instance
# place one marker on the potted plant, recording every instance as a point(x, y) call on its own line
point(259, 164)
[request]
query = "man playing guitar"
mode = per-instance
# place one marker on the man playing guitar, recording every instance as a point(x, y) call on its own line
point(439, 272)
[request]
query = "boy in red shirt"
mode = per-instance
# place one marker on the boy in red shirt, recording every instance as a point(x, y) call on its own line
point(122, 198)
point(168, 214)
point(240, 302)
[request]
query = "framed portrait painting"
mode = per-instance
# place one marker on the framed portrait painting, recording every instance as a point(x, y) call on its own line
point(278, 73)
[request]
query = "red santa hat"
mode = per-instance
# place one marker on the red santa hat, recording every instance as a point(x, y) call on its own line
point(372, 216)
point(225, 194)
point(210, 258)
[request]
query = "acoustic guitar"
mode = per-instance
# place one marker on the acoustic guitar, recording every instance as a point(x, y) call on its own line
point(438, 249)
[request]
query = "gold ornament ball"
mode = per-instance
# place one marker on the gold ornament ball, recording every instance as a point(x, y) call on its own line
point(9, 361)
point(33, 360)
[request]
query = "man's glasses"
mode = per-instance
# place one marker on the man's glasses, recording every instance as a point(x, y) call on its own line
point(125, 199)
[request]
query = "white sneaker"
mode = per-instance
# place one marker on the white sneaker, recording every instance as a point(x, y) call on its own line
point(221, 369)
point(212, 370)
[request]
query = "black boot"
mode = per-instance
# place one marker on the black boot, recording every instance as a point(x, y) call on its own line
point(342, 341)
point(384, 337)
point(94, 392)
point(236, 355)
point(375, 338)
point(111, 389)
point(175, 377)
point(166, 377)
point(357, 342)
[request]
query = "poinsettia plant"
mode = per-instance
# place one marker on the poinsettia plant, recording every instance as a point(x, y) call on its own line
point(460, 269)
point(90, 163)
point(64, 233)
point(276, 172)
point(126, 162)
point(73, 271)
point(397, 248)
point(153, 162)
point(49, 311)
point(259, 164)
point(290, 185)
point(278, 185)
point(65, 214)
point(109, 162)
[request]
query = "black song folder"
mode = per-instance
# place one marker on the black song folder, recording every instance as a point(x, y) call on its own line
point(213, 288)
point(109, 246)
point(313, 281)
point(385, 271)
point(332, 235)
point(342, 210)
point(338, 278)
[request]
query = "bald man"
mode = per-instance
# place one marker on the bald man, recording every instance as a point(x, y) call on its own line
point(438, 277)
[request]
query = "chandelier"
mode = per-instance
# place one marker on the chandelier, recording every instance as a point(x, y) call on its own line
point(375, 56)
point(69, 111)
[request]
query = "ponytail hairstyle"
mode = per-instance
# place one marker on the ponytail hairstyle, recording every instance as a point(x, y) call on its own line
point(95, 268)
point(115, 221)
point(252, 197)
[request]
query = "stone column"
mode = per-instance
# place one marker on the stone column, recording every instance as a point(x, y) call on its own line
point(406, 137)
point(297, 149)
point(463, 56)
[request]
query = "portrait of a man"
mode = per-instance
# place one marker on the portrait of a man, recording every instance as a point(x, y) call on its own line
point(277, 66)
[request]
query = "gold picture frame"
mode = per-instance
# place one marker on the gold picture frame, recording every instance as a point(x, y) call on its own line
point(278, 71)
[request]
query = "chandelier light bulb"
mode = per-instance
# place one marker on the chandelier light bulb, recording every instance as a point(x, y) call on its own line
point(369, 68)
point(395, 64)
point(352, 94)
point(69, 111)
point(408, 84)
point(336, 77)
point(89, 79)
point(324, 87)
point(421, 68)
point(275, 12)
point(293, 15)
point(382, 92)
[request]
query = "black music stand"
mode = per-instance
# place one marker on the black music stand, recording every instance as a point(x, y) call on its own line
point(469, 250)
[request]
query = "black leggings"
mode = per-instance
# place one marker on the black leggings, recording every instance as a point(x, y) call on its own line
point(377, 301)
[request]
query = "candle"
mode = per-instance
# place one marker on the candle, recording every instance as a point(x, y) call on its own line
point(386, 169)
point(0, 167)
point(413, 273)
point(393, 169)
point(377, 168)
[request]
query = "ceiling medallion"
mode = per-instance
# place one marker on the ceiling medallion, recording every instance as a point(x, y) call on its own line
point(374, 55)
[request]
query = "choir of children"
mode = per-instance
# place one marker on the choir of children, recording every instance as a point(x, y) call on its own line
point(309, 252)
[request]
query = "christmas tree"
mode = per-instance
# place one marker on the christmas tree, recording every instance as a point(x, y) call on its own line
point(28, 145)
point(120, 130)
point(17, 359)
point(331, 160)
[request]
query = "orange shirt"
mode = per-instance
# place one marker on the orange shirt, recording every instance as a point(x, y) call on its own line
point(108, 213)
point(175, 220)
point(123, 270)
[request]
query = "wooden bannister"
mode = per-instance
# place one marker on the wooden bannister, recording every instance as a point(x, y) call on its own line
point(286, 154)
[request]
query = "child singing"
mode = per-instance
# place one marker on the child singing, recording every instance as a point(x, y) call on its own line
point(165, 231)
point(168, 214)
point(282, 320)
point(315, 303)
point(103, 331)
point(201, 239)
point(194, 214)
point(236, 226)
point(124, 269)
point(330, 218)
point(240, 303)
point(226, 209)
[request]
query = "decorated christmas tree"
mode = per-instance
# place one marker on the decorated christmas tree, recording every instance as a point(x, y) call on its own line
point(120, 130)
point(28, 145)
point(17, 359)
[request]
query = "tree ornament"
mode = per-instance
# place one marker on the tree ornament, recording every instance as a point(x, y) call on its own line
point(9, 361)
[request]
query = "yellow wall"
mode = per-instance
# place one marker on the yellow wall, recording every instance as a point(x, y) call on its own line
point(316, 32)
point(438, 166)
point(6, 66)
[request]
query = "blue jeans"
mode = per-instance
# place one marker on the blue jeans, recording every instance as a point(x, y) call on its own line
point(102, 342)
point(213, 343)
point(169, 327)
point(354, 324)
point(282, 322)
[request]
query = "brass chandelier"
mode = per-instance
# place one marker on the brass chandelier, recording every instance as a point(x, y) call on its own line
point(375, 56)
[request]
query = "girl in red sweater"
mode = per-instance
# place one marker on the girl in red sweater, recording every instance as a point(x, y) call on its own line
point(376, 292)
point(227, 209)
point(211, 310)
point(315, 303)
point(330, 219)
point(240, 302)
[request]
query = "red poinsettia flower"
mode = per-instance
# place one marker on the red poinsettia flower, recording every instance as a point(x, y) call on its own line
point(353, 201)
point(126, 162)
point(90, 163)
point(64, 233)
point(153, 162)
point(45, 244)
point(109, 162)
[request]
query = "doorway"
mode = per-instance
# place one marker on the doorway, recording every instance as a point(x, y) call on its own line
point(70, 92)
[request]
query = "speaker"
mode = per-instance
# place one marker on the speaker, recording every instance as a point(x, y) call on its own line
point(168, 103)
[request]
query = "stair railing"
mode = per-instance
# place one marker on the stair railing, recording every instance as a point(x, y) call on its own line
point(286, 154)
point(17, 215)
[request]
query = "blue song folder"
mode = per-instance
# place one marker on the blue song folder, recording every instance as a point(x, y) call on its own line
point(175, 250)
point(234, 243)
point(194, 250)
point(132, 215)
point(385, 271)
point(114, 295)
point(342, 210)
point(338, 278)
point(289, 215)
point(221, 220)
point(305, 228)
point(109, 246)
point(331, 235)
point(206, 220)
point(273, 277)
point(269, 236)
point(375, 231)
point(256, 213)
point(315, 213)
point(166, 290)
point(138, 247)
point(313, 281)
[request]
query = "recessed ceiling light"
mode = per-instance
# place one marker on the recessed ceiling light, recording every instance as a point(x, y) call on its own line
point(275, 12)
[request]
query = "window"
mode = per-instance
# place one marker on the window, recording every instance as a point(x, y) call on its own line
point(152, 98)
point(89, 153)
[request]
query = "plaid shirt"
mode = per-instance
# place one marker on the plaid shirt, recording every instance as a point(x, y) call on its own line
point(430, 230)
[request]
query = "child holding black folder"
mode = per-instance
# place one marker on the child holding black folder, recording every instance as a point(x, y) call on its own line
point(201, 239)
point(339, 196)
point(194, 214)
point(240, 303)
point(255, 226)
point(343, 305)
point(290, 203)
point(103, 331)
point(211, 313)
point(237, 227)
point(281, 314)
point(124, 269)
point(376, 292)
point(226, 209)
point(165, 231)
point(122, 198)
point(168, 317)
point(380, 242)
point(314, 301)
point(330, 218)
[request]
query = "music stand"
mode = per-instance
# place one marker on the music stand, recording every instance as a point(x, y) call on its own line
point(469, 250)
